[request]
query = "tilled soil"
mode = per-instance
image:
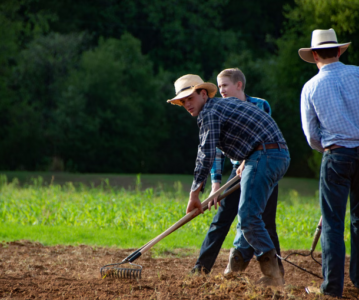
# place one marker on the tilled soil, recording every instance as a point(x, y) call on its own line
point(30, 270)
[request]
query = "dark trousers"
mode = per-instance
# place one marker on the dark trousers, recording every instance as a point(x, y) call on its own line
point(339, 179)
point(223, 220)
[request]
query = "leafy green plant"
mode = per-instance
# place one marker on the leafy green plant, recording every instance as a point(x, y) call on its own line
point(144, 214)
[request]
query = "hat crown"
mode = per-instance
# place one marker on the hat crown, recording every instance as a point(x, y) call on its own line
point(187, 82)
point(322, 37)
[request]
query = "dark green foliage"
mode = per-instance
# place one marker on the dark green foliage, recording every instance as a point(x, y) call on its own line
point(111, 109)
point(84, 84)
point(259, 23)
point(18, 119)
point(32, 127)
point(173, 33)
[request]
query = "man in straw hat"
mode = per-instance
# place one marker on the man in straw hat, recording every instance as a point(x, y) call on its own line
point(330, 120)
point(231, 83)
point(242, 131)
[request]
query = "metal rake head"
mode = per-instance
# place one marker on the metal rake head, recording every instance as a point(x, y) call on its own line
point(115, 271)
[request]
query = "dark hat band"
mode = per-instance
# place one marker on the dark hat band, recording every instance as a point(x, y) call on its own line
point(186, 88)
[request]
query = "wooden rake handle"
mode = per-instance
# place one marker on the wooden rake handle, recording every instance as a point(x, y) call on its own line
point(204, 207)
point(185, 219)
point(318, 231)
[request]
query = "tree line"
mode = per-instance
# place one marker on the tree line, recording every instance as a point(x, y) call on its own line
point(84, 84)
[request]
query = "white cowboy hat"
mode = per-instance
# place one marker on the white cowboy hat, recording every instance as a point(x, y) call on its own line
point(321, 39)
point(187, 84)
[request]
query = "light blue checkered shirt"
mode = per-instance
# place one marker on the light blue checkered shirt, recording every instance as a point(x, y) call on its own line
point(330, 107)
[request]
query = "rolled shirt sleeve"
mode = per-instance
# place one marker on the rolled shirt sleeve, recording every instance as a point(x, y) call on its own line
point(208, 140)
point(310, 122)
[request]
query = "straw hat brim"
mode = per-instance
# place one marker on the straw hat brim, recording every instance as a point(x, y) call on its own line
point(307, 55)
point(210, 87)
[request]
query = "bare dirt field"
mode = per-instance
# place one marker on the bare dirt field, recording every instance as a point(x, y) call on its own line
point(32, 271)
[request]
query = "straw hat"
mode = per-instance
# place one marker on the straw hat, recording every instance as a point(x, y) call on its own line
point(187, 84)
point(321, 39)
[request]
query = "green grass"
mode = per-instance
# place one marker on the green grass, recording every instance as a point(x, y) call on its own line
point(128, 218)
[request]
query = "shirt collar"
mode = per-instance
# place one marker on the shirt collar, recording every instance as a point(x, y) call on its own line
point(205, 106)
point(207, 103)
point(331, 66)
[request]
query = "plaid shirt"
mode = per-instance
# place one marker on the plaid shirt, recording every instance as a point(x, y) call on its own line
point(235, 127)
point(330, 107)
point(218, 164)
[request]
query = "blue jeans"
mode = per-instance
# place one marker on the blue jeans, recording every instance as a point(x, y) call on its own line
point(223, 220)
point(339, 178)
point(263, 170)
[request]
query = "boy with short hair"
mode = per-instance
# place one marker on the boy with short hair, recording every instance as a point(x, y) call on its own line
point(231, 83)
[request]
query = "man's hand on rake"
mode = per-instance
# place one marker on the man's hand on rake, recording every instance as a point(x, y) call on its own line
point(194, 202)
point(215, 187)
point(240, 169)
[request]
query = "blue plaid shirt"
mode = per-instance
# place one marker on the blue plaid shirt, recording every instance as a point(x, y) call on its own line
point(218, 164)
point(235, 127)
point(330, 107)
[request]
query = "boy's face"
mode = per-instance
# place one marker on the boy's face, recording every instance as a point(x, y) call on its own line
point(194, 102)
point(227, 88)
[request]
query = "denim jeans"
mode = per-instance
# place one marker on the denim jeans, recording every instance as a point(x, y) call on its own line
point(223, 220)
point(339, 178)
point(263, 169)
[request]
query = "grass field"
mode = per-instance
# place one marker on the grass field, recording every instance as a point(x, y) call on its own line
point(128, 210)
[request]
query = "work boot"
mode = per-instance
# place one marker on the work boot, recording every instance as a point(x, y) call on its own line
point(199, 270)
point(236, 263)
point(281, 267)
point(270, 269)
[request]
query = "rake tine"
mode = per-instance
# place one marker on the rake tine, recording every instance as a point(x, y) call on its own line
point(118, 272)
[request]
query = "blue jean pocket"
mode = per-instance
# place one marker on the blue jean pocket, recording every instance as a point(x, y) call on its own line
point(338, 172)
point(277, 166)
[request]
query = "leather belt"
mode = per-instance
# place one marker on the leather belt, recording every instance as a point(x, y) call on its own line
point(271, 146)
point(331, 147)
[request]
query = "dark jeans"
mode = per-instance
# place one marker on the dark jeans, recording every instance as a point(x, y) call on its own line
point(339, 178)
point(223, 220)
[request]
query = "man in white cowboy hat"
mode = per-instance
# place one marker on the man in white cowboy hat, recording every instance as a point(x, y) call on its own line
point(330, 120)
point(242, 131)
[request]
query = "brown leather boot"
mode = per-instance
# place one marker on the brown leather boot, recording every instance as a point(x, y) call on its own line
point(235, 264)
point(270, 269)
point(281, 267)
